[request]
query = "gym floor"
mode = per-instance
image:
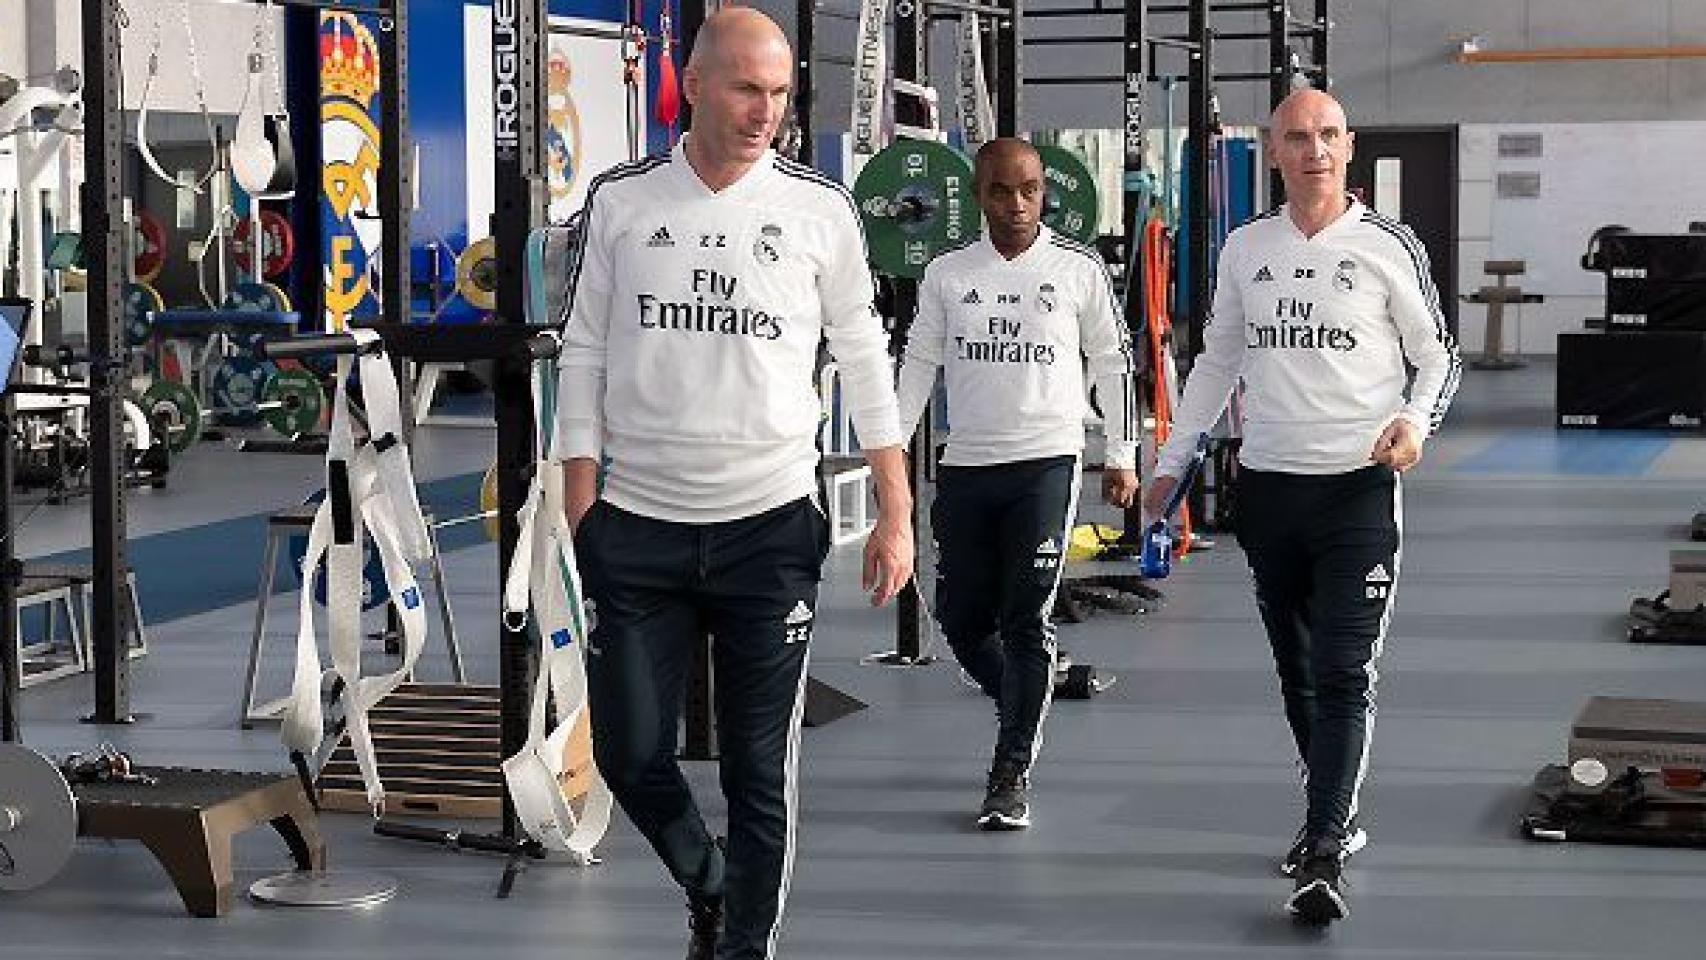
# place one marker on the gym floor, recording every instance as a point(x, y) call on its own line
point(1160, 807)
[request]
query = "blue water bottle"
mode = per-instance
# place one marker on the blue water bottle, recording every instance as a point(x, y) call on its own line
point(1156, 559)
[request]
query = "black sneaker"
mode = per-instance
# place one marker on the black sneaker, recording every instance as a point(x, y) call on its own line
point(1318, 898)
point(705, 920)
point(1288, 867)
point(1007, 803)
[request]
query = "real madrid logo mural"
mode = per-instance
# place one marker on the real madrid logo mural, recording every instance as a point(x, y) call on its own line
point(349, 199)
point(563, 128)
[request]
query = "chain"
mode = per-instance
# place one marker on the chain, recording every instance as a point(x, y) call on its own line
point(269, 26)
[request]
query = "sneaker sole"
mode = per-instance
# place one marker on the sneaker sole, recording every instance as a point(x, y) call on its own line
point(1353, 843)
point(994, 822)
point(1317, 904)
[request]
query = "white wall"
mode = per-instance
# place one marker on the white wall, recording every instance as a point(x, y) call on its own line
point(1646, 176)
point(224, 35)
point(14, 56)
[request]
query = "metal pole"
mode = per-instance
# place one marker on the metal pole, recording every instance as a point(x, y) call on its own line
point(1009, 70)
point(11, 684)
point(1201, 216)
point(1134, 194)
point(103, 245)
point(518, 41)
point(1279, 81)
point(396, 165)
point(1319, 43)
point(805, 19)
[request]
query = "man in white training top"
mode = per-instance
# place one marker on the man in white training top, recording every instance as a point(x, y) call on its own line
point(705, 280)
point(1318, 306)
point(1011, 317)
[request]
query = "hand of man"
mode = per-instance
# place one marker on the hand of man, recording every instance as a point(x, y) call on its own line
point(580, 489)
point(1155, 497)
point(889, 554)
point(1119, 487)
point(1399, 446)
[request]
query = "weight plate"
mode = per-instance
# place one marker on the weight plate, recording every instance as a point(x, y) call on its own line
point(313, 888)
point(235, 387)
point(257, 298)
point(374, 592)
point(1070, 201)
point(174, 412)
point(278, 244)
point(38, 818)
point(477, 274)
point(916, 199)
point(148, 246)
point(140, 302)
point(301, 401)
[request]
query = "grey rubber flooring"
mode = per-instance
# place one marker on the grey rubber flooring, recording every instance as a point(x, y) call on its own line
point(1159, 807)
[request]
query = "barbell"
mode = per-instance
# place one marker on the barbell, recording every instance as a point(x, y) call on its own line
point(291, 403)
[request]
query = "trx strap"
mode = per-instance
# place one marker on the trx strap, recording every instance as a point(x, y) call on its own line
point(199, 183)
point(870, 80)
point(372, 487)
point(977, 115)
point(633, 62)
point(544, 582)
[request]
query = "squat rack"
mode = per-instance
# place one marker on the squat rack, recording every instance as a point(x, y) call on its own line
point(104, 243)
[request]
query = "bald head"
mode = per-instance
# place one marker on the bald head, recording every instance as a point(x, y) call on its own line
point(1309, 141)
point(1010, 192)
point(1309, 102)
point(733, 32)
point(1002, 151)
point(739, 79)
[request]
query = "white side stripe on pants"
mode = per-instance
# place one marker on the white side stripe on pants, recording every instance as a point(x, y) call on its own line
point(791, 794)
point(1374, 654)
point(1048, 607)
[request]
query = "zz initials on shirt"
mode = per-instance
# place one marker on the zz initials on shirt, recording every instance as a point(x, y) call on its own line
point(716, 241)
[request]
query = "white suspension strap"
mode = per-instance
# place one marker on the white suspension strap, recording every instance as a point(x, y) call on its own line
point(373, 488)
point(543, 580)
point(199, 183)
point(252, 159)
point(977, 115)
point(870, 81)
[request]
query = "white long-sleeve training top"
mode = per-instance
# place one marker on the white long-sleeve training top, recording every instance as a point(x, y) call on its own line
point(1319, 328)
point(1013, 337)
point(694, 320)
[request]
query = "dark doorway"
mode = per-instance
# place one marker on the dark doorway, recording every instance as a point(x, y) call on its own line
point(1417, 167)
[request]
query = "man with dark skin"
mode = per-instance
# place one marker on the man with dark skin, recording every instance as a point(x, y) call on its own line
point(1011, 317)
point(1318, 307)
point(704, 284)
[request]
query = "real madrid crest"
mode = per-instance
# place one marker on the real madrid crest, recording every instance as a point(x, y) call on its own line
point(1344, 278)
point(1045, 297)
point(768, 248)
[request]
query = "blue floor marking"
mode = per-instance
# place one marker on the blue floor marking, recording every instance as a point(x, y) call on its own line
point(1600, 453)
point(184, 572)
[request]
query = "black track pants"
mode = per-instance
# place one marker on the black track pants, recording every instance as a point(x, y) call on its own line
point(1001, 532)
point(1325, 552)
point(657, 589)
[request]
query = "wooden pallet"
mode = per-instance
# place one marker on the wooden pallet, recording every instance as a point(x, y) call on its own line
point(439, 751)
